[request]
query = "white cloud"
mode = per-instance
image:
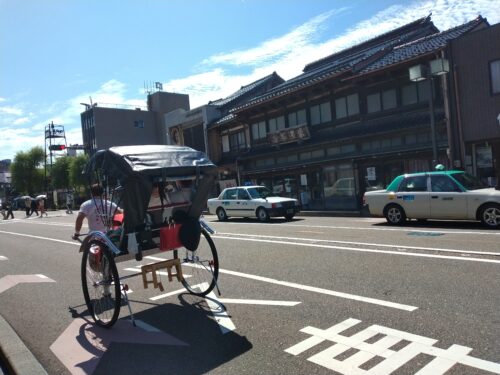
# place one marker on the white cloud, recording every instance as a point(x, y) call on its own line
point(274, 49)
point(21, 121)
point(16, 111)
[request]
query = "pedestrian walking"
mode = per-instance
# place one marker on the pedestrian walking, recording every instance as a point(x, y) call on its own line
point(8, 208)
point(41, 206)
point(34, 207)
point(27, 206)
point(69, 202)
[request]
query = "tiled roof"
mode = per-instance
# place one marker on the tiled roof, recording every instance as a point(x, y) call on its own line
point(246, 89)
point(410, 31)
point(345, 60)
point(421, 46)
point(225, 119)
point(411, 40)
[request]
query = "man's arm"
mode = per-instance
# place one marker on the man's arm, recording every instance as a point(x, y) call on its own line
point(78, 224)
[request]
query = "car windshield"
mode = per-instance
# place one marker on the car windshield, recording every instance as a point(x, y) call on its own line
point(259, 192)
point(469, 182)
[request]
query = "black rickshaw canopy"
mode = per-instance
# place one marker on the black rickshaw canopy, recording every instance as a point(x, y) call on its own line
point(135, 168)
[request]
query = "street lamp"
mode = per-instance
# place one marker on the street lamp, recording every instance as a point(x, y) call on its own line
point(422, 72)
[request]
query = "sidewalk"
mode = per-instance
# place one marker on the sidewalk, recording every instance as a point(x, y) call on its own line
point(356, 213)
point(15, 357)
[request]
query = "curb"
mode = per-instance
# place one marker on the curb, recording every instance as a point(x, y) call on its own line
point(14, 355)
point(333, 213)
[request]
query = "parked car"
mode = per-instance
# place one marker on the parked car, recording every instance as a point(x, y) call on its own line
point(249, 201)
point(453, 195)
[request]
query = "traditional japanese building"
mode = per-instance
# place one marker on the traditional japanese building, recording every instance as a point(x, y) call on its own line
point(351, 121)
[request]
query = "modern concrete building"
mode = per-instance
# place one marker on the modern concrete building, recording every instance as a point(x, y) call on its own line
point(104, 126)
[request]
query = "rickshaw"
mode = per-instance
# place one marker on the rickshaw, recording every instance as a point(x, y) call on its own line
point(158, 194)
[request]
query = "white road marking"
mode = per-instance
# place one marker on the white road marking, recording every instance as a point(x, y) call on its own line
point(165, 295)
point(10, 281)
point(365, 244)
point(219, 312)
point(448, 257)
point(322, 291)
point(444, 359)
point(259, 302)
point(491, 233)
point(3, 257)
point(306, 288)
point(40, 238)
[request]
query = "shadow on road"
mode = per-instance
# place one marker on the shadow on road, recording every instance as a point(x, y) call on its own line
point(191, 321)
point(437, 224)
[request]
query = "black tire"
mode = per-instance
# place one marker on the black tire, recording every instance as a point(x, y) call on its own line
point(395, 214)
point(490, 215)
point(289, 217)
point(221, 214)
point(200, 268)
point(100, 284)
point(262, 214)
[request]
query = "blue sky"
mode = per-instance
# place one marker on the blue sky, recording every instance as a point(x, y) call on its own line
point(56, 54)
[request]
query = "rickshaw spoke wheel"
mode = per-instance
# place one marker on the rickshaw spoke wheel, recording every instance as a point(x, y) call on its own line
point(100, 284)
point(201, 267)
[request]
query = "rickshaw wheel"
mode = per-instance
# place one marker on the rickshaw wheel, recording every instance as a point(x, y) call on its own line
point(100, 284)
point(200, 267)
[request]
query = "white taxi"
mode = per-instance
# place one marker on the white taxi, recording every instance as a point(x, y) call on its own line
point(452, 195)
point(249, 201)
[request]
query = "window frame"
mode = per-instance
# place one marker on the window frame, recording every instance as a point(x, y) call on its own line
point(345, 100)
point(321, 112)
point(490, 76)
point(258, 125)
point(238, 145)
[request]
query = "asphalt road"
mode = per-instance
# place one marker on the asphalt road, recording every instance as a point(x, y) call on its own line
point(317, 295)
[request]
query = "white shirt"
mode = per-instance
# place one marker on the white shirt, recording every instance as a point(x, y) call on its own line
point(97, 216)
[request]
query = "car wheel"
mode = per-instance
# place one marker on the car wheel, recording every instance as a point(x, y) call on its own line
point(394, 214)
point(289, 217)
point(262, 214)
point(221, 214)
point(490, 215)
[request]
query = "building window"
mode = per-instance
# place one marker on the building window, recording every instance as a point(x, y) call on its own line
point(139, 124)
point(276, 123)
point(495, 76)
point(225, 143)
point(297, 118)
point(259, 130)
point(389, 100)
point(237, 141)
point(321, 113)
point(415, 92)
point(347, 106)
point(382, 100)
point(373, 103)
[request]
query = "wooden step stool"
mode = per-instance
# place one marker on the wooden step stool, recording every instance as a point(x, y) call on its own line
point(153, 268)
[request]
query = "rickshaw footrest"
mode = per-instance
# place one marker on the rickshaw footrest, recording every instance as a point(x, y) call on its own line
point(153, 268)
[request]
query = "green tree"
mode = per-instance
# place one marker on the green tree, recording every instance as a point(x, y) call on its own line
point(27, 171)
point(76, 166)
point(60, 172)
